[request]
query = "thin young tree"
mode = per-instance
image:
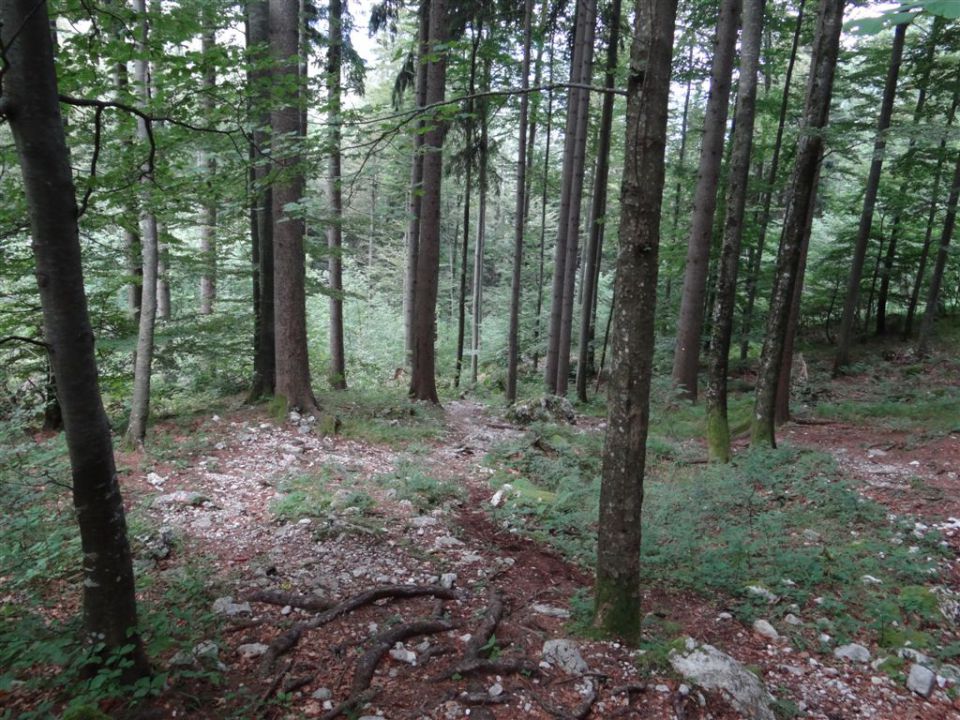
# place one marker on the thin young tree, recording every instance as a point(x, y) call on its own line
point(479, 245)
point(686, 357)
point(718, 427)
point(845, 336)
point(617, 588)
point(826, 47)
point(519, 221)
point(143, 364)
point(338, 364)
point(423, 381)
point(208, 166)
point(292, 360)
point(29, 103)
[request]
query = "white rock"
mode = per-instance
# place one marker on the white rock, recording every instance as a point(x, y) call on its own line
point(915, 655)
point(791, 619)
point(565, 655)
point(226, 606)
point(550, 610)
point(662, 688)
point(498, 496)
point(724, 616)
point(447, 580)
point(811, 535)
point(495, 690)
point(155, 479)
point(921, 680)
point(763, 627)
point(871, 580)
point(712, 669)
point(399, 652)
point(762, 592)
point(422, 521)
point(447, 541)
point(252, 650)
point(853, 652)
point(322, 694)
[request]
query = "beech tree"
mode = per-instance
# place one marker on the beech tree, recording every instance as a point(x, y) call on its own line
point(338, 365)
point(29, 104)
point(617, 608)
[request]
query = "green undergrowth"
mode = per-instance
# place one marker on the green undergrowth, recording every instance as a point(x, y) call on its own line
point(781, 520)
point(384, 416)
point(908, 406)
point(409, 481)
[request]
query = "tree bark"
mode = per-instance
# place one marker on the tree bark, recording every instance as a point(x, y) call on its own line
point(478, 246)
point(32, 111)
point(416, 182)
point(573, 133)
point(140, 404)
point(617, 588)
point(753, 274)
point(845, 336)
point(519, 221)
point(537, 330)
point(208, 165)
point(681, 168)
point(718, 428)
point(598, 209)
point(290, 315)
point(264, 360)
point(423, 382)
point(809, 153)
point(686, 358)
point(338, 363)
point(936, 279)
point(163, 273)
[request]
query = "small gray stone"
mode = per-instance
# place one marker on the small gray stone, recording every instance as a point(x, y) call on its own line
point(496, 690)
point(916, 656)
point(921, 680)
point(322, 694)
point(422, 521)
point(180, 497)
point(565, 655)
point(811, 535)
point(763, 627)
point(400, 653)
point(791, 619)
point(447, 580)
point(550, 611)
point(226, 606)
point(762, 592)
point(447, 541)
point(252, 650)
point(853, 652)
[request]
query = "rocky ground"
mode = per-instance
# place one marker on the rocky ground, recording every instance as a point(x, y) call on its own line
point(467, 618)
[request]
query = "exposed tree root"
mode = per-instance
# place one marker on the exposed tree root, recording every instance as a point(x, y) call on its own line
point(310, 603)
point(284, 642)
point(272, 688)
point(578, 713)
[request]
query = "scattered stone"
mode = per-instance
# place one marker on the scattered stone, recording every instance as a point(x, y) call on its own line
point(664, 689)
point(226, 606)
point(447, 580)
point(811, 535)
point(763, 627)
point(871, 580)
point(725, 616)
point(762, 592)
point(181, 659)
point(422, 521)
point(791, 619)
point(916, 656)
point(550, 611)
point(252, 650)
point(155, 479)
point(715, 670)
point(322, 694)
point(286, 610)
point(498, 496)
point(921, 680)
point(400, 653)
point(853, 652)
point(565, 655)
point(496, 690)
point(949, 603)
point(180, 497)
point(447, 541)
point(546, 409)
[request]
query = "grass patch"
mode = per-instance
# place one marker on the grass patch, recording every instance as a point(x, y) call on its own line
point(425, 492)
point(385, 417)
point(907, 408)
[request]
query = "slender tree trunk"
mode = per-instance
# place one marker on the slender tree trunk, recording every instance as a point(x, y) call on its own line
point(264, 360)
point(416, 182)
point(519, 221)
point(423, 382)
point(208, 163)
point(543, 221)
point(931, 216)
point(681, 169)
point(290, 313)
point(584, 18)
point(598, 209)
point(373, 224)
point(718, 428)
point(338, 364)
point(753, 274)
point(873, 279)
point(140, 404)
point(572, 220)
point(33, 113)
point(686, 358)
point(478, 246)
point(826, 45)
point(163, 273)
point(936, 279)
point(617, 589)
point(845, 337)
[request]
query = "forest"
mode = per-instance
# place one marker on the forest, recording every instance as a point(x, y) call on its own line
point(411, 359)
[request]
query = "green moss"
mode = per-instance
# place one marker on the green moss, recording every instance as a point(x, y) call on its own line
point(718, 436)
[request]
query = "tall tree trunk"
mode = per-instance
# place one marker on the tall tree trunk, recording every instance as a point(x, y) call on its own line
point(617, 587)
point(826, 45)
point(904, 192)
point(753, 274)
point(931, 217)
point(573, 133)
point(416, 183)
point(290, 313)
point(163, 273)
point(874, 277)
point(338, 363)
point(33, 114)
point(572, 220)
point(519, 221)
point(264, 360)
point(598, 209)
point(845, 336)
point(537, 332)
point(140, 404)
point(478, 246)
point(423, 382)
point(467, 200)
point(208, 163)
point(718, 428)
point(686, 358)
point(936, 279)
point(681, 168)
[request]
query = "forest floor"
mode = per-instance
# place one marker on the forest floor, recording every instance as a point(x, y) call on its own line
point(266, 525)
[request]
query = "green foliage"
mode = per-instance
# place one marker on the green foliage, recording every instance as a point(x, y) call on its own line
point(425, 492)
point(382, 416)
